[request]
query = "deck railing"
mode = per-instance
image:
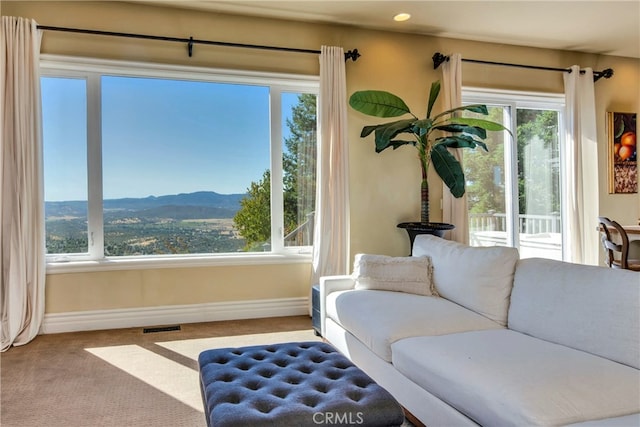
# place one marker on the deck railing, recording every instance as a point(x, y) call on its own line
point(527, 224)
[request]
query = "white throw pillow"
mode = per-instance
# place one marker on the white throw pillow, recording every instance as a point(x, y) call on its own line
point(400, 274)
point(478, 278)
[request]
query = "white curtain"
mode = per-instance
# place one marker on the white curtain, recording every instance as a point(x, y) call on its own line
point(21, 193)
point(454, 211)
point(331, 233)
point(582, 173)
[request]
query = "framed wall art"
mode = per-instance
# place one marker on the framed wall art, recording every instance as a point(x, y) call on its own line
point(623, 154)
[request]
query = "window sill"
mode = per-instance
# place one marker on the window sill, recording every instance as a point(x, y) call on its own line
point(187, 261)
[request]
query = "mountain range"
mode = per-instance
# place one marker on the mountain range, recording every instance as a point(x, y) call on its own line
point(200, 204)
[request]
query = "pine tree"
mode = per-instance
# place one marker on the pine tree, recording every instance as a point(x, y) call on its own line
point(253, 220)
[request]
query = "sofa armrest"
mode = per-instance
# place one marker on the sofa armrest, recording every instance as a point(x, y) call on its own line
point(330, 284)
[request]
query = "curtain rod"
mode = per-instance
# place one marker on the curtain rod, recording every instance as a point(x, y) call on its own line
point(351, 54)
point(439, 58)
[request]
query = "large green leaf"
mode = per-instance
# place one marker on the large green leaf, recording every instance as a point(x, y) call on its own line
point(475, 108)
point(481, 123)
point(460, 141)
point(457, 128)
point(449, 169)
point(433, 95)
point(385, 133)
point(400, 142)
point(423, 125)
point(366, 131)
point(378, 103)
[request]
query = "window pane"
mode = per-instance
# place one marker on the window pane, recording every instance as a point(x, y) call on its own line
point(64, 125)
point(485, 187)
point(539, 184)
point(178, 158)
point(299, 167)
point(534, 228)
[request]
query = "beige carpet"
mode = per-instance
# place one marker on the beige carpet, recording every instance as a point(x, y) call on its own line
point(123, 378)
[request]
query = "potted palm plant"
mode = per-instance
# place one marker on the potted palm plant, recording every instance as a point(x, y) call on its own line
point(462, 132)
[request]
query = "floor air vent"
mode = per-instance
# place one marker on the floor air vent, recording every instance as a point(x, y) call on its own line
point(161, 329)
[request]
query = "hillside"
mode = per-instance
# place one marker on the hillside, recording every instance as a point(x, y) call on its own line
point(201, 204)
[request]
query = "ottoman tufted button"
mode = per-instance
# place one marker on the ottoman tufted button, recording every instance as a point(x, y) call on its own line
point(332, 375)
point(321, 388)
point(281, 363)
point(281, 393)
point(305, 369)
point(263, 407)
point(253, 385)
point(225, 377)
point(310, 401)
point(361, 383)
point(266, 373)
point(354, 395)
point(233, 399)
point(293, 380)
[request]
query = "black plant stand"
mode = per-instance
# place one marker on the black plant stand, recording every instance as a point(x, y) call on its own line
point(434, 228)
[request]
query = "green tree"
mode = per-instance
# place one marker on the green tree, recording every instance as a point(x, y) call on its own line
point(253, 220)
point(299, 167)
point(538, 129)
point(484, 171)
point(537, 153)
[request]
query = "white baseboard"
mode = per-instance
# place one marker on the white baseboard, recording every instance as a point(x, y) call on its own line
point(172, 314)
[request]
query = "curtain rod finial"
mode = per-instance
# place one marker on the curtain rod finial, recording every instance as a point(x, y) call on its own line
point(438, 59)
point(607, 74)
point(352, 54)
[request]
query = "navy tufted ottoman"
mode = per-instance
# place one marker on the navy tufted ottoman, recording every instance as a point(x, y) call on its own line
point(292, 384)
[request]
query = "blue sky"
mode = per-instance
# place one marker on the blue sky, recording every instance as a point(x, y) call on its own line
point(159, 137)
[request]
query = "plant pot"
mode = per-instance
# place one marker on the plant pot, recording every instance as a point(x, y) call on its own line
point(416, 228)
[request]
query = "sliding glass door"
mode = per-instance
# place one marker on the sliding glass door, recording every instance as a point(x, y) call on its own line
point(515, 191)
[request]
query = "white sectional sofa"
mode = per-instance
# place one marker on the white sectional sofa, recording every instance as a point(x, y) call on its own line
point(507, 342)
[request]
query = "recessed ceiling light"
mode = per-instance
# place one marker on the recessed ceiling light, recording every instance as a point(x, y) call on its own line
point(401, 17)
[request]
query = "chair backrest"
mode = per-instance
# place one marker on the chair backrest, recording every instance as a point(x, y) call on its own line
point(612, 247)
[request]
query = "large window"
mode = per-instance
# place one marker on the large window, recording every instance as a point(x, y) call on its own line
point(142, 161)
point(514, 190)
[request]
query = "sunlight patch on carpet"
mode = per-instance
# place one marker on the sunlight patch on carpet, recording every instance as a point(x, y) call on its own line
point(193, 347)
point(165, 375)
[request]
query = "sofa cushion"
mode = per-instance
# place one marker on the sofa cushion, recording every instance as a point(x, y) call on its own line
point(400, 274)
point(502, 377)
point(594, 309)
point(632, 420)
point(379, 318)
point(479, 278)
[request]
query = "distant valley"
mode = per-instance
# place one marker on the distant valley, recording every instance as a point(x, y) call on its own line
point(200, 222)
point(197, 205)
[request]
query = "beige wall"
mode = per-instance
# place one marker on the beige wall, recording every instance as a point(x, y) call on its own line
point(384, 188)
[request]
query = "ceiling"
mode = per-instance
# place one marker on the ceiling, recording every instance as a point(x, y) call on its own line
point(609, 27)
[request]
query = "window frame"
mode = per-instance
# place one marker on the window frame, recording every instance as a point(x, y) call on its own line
point(524, 100)
point(91, 70)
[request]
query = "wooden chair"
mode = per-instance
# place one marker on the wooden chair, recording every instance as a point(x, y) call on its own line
point(611, 247)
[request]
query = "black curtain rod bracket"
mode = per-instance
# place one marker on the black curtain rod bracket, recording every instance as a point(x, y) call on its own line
point(439, 58)
point(351, 54)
